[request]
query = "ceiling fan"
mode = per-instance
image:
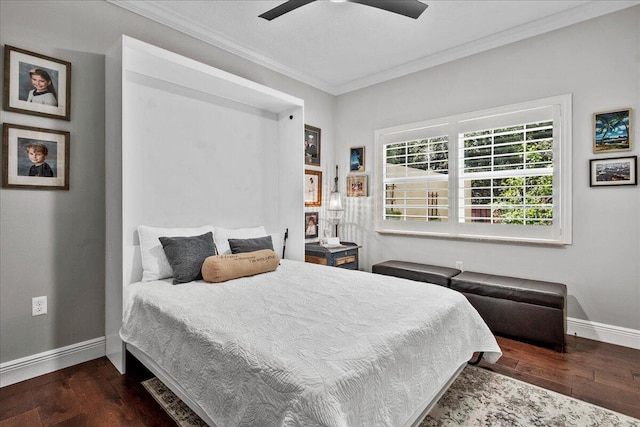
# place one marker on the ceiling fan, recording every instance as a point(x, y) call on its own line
point(410, 8)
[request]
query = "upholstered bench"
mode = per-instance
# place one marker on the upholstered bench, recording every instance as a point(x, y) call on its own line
point(415, 271)
point(528, 309)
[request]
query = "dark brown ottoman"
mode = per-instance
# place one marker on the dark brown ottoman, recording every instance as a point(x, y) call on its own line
point(416, 271)
point(532, 310)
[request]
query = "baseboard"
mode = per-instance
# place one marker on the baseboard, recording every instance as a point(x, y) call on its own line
point(606, 333)
point(49, 361)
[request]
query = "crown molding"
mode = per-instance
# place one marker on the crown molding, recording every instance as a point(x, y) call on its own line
point(156, 11)
point(569, 17)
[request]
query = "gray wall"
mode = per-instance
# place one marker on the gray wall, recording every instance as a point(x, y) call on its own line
point(52, 242)
point(598, 61)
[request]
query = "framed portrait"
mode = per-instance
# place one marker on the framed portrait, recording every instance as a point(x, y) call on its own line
point(35, 158)
point(312, 188)
point(612, 131)
point(36, 84)
point(310, 225)
point(311, 145)
point(356, 159)
point(613, 172)
point(357, 186)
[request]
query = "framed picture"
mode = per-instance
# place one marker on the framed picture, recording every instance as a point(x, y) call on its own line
point(312, 188)
point(36, 84)
point(616, 171)
point(311, 145)
point(310, 225)
point(612, 131)
point(356, 159)
point(357, 186)
point(34, 158)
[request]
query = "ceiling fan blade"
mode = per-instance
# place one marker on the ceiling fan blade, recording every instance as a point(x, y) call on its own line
point(284, 8)
point(411, 8)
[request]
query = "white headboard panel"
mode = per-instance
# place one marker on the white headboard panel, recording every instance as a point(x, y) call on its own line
point(189, 145)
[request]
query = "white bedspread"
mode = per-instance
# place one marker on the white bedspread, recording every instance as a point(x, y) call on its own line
point(307, 345)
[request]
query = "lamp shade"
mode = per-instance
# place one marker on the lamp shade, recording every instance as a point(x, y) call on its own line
point(335, 209)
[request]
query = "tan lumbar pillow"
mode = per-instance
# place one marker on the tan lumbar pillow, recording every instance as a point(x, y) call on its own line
point(221, 268)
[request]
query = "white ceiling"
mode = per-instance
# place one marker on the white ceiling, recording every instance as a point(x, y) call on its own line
point(340, 47)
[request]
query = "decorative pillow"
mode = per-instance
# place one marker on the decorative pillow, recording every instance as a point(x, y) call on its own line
point(221, 236)
point(239, 246)
point(186, 255)
point(221, 268)
point(155, 265)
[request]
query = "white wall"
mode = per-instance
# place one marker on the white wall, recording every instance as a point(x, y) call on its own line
point(52, 243)
point(598, 61)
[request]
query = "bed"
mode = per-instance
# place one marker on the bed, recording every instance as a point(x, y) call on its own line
point(305, 345)
point(190, 144)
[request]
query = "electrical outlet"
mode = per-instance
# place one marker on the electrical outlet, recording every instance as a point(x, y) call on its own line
point(38, 306)
point(459, 265)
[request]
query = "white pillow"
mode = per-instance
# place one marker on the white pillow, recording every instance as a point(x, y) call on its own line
point(221, 237)
point(276, 239)
point(155, 265)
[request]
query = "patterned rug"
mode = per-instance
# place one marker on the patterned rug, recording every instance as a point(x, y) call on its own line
point(476, 398)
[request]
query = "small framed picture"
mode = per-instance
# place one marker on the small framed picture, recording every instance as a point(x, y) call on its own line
point(356, 159)
point(35, 158)
point(616, 171)
point(310, 225)
point(612, 131)
point(311, 145)
point(357, 186)
point(312, 188)
point(36, 84)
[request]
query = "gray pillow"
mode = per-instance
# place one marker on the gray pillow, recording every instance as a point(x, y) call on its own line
point(239, 246)
point(187, 254)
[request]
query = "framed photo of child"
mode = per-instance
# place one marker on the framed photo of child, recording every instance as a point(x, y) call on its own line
point(34, 158)
point(36, 84)
point(357, 186)
point(312, 145)
point(312, 188)
point(310, 225)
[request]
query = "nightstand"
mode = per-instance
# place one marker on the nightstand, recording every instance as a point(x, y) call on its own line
point(343, 256)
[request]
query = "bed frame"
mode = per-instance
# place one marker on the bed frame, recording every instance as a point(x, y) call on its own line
point(167, 380)
point(173, 124)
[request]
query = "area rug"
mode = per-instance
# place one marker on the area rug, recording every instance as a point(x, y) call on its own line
point(476, 398)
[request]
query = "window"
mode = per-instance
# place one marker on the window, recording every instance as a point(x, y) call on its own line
point(500, 174)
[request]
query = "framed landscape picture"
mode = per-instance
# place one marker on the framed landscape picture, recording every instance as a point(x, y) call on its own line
point(356, 159)
point(311, 145)
point(36, 84)
point(35, 158)
point(611, 172)
point(312, 188)
point(612, 131)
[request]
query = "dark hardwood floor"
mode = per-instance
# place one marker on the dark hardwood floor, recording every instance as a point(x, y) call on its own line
point(95, 394)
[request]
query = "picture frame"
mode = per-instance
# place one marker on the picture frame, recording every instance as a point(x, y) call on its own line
point(35, 158)
point(312, 145)
point(27, 73)
point(310, 225)
point(312, 188)
point(612, 131)
point(357, 186)
point(614, 171)
point(356, 159)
